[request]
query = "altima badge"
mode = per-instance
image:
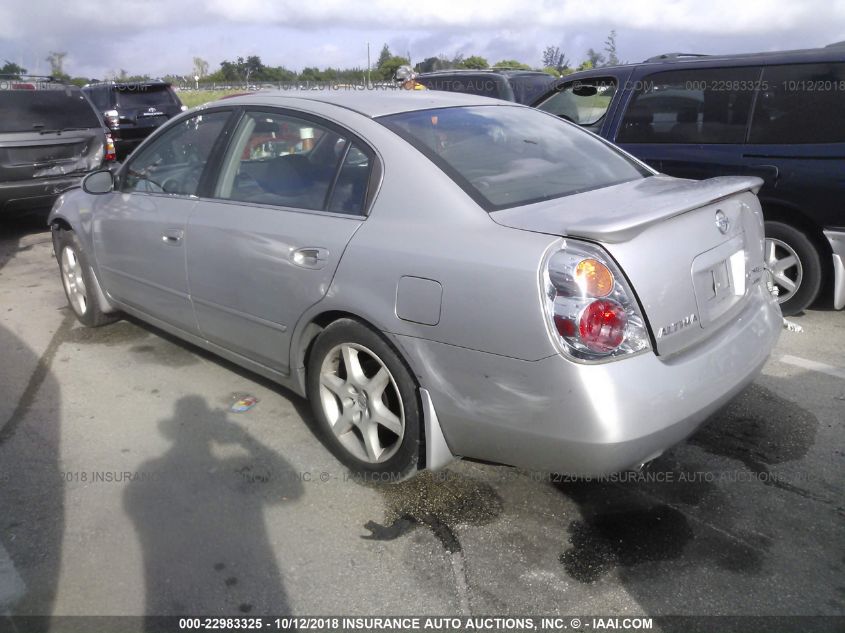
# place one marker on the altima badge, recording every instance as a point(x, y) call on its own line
point(722, 222)
point(677, 326)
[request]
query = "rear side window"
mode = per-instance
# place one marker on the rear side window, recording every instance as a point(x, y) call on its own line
point(505, 156)
point(691, 107)
point(583, 102)
point(283, 160)
point(38, 110)
point(800, 104)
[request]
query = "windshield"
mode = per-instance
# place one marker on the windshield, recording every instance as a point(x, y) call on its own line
point(144, 96)
point(45, 110)
point(505, 156)
point(583, 102)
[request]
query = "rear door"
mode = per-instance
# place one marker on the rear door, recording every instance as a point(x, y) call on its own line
point(798, 127)
point(290, 194)
point(139, 232)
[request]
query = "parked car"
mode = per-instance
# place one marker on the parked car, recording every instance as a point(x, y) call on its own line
point(779, 116)
point(132, 110)
point(440, 274)
point(521, 86)
point(50, 137)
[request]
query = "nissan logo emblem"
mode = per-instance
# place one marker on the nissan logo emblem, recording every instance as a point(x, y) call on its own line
point(722, 222)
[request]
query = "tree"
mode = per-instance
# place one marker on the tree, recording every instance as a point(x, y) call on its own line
point(56, 61)
point(383, 56)
point(200, 67)
point(553, 57)
point(387, 69)
point(585, 65)
point(595, 58)
point(610, 49)
point(511, 63)
point(10, 68)
point(475, 62)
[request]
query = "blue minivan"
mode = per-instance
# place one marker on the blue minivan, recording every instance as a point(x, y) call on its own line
point(779, 116)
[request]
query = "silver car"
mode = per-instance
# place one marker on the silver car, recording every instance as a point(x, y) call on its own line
point(441, 275)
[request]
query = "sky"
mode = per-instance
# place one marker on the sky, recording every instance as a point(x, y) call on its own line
point(158, 37)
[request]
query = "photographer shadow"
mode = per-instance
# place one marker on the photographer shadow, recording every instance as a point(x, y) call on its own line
point(199, 514)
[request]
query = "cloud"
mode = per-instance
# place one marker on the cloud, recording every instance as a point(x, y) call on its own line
point(160, 36)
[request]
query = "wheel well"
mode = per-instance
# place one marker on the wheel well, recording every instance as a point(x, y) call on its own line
point(61, 223)
point(799, 220)
point(321, 322)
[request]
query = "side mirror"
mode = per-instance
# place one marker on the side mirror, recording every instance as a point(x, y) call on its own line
point(98, 182)
point(584, 90)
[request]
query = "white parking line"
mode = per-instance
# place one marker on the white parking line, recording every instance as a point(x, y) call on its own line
point(797, 361)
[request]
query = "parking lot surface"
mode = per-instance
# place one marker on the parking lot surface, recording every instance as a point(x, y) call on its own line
point(128, 487)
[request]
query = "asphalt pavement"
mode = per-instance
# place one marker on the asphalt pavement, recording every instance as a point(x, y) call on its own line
point(128, 487)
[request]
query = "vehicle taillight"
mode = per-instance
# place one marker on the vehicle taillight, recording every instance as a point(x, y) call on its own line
point(110, 153)
point(591, 311)
point(112, 118)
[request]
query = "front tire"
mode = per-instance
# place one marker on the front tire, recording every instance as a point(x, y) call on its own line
point(78, 282)
point(365, 401)
point(795, 264)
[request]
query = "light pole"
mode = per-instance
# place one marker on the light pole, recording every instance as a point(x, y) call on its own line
point(369, 84)
point(197, 81)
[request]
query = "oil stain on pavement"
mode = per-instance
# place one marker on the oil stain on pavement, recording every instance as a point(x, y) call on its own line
point(437, 501)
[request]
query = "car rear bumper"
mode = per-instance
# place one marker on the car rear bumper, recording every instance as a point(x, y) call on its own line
point(837, 245)
point(31, 195)
point(559, 416)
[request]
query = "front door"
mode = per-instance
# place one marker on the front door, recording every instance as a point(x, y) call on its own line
point(139, 230)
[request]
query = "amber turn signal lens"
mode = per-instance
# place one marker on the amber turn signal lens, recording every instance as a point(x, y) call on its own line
point(594, 278)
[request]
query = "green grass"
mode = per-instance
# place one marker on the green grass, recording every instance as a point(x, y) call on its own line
point(193, 98)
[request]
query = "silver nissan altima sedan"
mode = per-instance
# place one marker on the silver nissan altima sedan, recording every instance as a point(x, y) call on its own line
point(441, 275)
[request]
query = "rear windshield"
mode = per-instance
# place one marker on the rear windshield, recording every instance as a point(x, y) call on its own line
point(489, 85)
point(43, 110)
point(506, 156)
point(144, 96)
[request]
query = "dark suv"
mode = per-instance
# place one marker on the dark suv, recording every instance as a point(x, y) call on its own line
point(521, 86)
point(779, 116)
point(50, 136)
point(132, 110)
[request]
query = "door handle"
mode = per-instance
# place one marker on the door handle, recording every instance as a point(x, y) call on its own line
point(172, 236)
point(310, 257)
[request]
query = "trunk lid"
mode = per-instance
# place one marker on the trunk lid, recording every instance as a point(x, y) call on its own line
point(692, 250)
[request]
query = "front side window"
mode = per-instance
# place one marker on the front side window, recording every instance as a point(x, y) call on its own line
point(504, 156)
point(287, 161)
point(691, 107)
point(583, 102)
point(800, 104)
point(174, 161)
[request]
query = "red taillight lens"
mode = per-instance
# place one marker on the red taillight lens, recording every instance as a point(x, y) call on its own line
point(602, 325)
point(109, 153)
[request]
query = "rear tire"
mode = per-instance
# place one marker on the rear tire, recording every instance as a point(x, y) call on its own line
point(795, 264)
point(365, 402)
point(78, 282)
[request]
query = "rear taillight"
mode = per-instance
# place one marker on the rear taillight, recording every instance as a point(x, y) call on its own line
point(112, 119)
point(109, 153)
point(591, 311)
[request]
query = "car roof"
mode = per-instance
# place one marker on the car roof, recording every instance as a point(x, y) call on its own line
point(370, 103)
point(676, 61)
point(508, 72)
point(120, 85)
